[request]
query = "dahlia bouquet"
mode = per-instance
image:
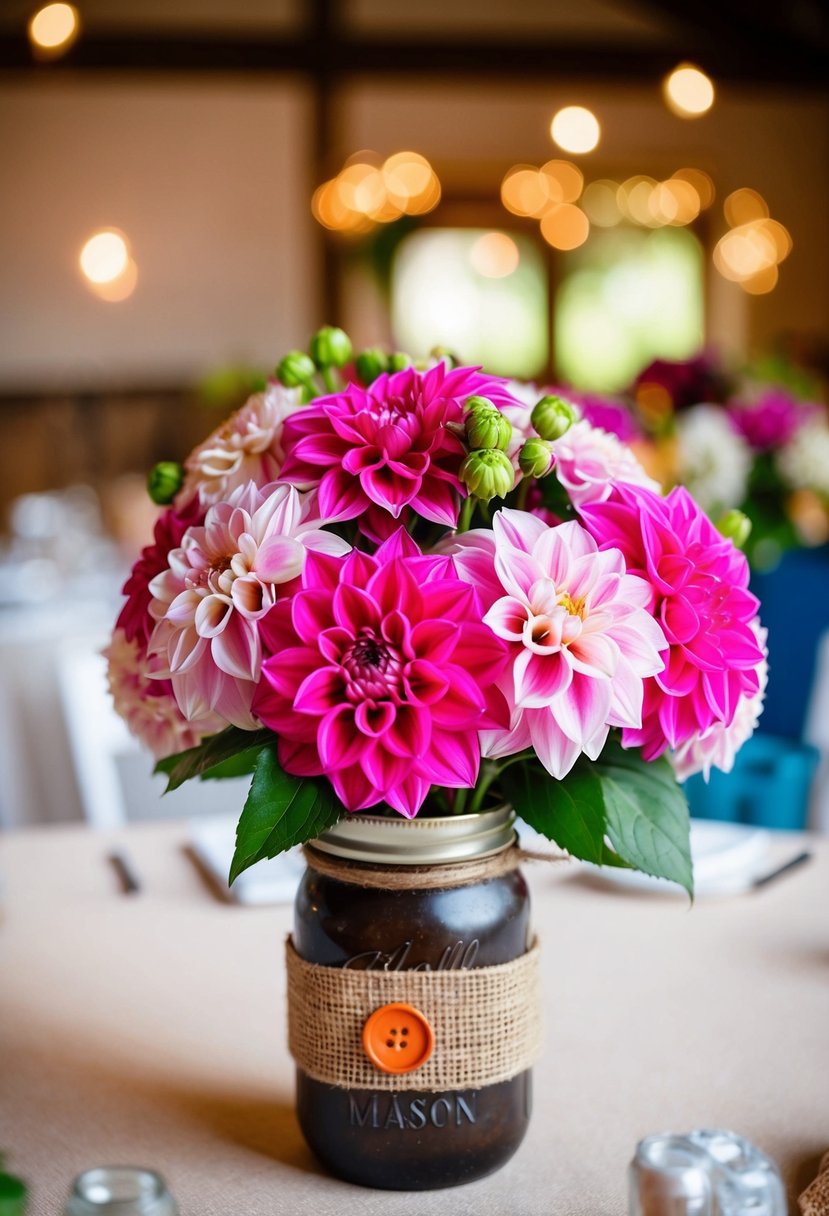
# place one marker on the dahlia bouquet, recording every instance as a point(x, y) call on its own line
point(411, 590)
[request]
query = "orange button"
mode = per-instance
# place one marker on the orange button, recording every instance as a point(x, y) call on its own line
point(398, 1038)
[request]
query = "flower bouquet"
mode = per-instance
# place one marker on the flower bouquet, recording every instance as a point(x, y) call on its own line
point(422, 591)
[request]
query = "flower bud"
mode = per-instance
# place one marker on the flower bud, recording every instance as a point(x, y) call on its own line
point(552, 416)
point(536, 458)
point(164, 481)
point(736, 526)
point(444, 355)
point(486, 427)
point(488, 474)
point(330, 347)
point(296, 369)
point(371, 364)
point(399, 361)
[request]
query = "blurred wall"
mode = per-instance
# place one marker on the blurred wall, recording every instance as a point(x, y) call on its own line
point(208, 180)
point(211, 182)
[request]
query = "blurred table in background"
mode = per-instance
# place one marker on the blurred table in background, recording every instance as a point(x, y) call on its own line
point(150, 1029)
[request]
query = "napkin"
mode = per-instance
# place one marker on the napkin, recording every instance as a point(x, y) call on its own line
point(213, 840)
point(815, 1199)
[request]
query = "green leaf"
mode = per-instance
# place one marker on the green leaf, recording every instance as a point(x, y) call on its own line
point(570, 812)
point(647, 814)
point(212, 755)
point(281, 811)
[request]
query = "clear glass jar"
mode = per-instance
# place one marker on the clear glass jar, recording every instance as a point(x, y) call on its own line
point(120, 1190)
point(409, 1139)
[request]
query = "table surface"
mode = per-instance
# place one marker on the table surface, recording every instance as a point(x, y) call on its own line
point(149, 1029)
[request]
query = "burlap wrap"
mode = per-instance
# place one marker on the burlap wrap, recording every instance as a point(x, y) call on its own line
point(427, 877)
point(486, 1022)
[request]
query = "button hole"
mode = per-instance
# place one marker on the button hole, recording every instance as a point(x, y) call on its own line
point(403, 1043)
point(393, 1031)
point(390, 1042)
point(405, 1030)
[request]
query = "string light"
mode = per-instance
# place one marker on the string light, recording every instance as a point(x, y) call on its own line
point(53, 29)
point(369, 191)
point(107, 265)
point(688, 91)
point(575, 129)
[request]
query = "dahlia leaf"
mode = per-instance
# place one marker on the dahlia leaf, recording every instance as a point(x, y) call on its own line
point(281, 811)
point(569, 812)
point(213, 756)
point(647, 815)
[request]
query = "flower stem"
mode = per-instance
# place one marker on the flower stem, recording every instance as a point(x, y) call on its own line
point(467, 511)
point(490, 773)
point(523, 491)
point(330, 380)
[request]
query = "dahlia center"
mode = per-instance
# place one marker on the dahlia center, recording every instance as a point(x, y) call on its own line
point(574, 607)
point(372, 668)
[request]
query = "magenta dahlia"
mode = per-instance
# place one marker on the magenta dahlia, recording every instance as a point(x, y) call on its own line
point(381, 451)
point(379, 675)
point(700, 596)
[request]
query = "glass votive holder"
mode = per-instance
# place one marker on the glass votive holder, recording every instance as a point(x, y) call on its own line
point(120, 1190)
point(669, 1176)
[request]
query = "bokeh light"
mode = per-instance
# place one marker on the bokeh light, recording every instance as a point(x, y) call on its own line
point(564, 180)
point(744, 205)
point(369, 191)
point(565, 227)
point(688, 91)
point(575, 129)
point(494, 255)
point(107, 265)
point(702, 183)
point(53, 29)
point(600, 205)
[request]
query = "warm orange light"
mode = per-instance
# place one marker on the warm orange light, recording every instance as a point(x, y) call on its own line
point(118, 289)
point(525, 191)
point(763, 282)
point(105, 256)
point(563, 180)
point(600, 205)
point(407, 175)
point(674, 202)
point(53, 29)
point(744, 252)
point(688, 91)
point(565, 227)
point(494, 255)
point(575, 129)
point(744, 205)
point(701, 182)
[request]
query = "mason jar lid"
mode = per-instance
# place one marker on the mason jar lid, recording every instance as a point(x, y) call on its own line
point(415, 842)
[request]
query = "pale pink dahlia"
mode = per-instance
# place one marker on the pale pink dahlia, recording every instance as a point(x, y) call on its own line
point(700, 596)
point(379, 674)
point(580, 638)
point(381, 451)
point(590, 461)
point(247, 447)
point(219, 585)
point(718, 746)
point(146, 704)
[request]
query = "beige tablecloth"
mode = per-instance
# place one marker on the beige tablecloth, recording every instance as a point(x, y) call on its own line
point(150, 1029)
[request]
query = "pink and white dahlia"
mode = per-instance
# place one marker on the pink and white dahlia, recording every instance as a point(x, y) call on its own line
point(134, 618)
point(718, 746)
point(580, 638)
point(590, 461)
point(219, 585)
point(379, 674)
point(147, 704)
point(247, 447)
point(382, 451)
point(699, 594)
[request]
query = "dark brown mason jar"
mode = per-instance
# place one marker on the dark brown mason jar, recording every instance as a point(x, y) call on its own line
point(408, 1139)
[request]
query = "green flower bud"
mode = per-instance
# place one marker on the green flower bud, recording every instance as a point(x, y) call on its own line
point(486, 427)
point(444, 353)
point(330, 347)
point(399, 361)
point(371, 364)
point(164, 481)
point(488, 474)
point(552, 416)
point(296, 369)
point(736, 526)
point(536, 458)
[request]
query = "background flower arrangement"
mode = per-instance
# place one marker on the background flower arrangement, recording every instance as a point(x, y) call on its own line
point(758, 442)
point(424, 590)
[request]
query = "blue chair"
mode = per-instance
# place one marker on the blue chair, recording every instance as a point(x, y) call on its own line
point(768, 786)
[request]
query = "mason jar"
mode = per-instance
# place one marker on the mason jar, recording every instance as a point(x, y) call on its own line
point(458, 905)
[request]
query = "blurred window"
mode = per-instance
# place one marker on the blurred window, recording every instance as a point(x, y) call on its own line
point(626, 297)
point(481, 293)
